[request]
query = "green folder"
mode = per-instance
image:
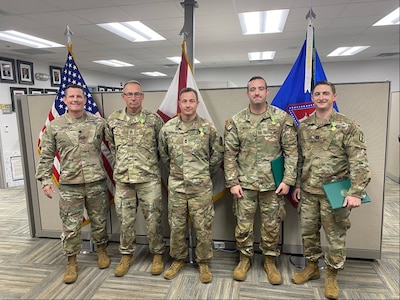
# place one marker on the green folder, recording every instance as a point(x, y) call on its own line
point(277, 166)
point(336, 192)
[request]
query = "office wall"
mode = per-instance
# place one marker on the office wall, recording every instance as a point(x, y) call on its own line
point(393, 151)
point(354, 100)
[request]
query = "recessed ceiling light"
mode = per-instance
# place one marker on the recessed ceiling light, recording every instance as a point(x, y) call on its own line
point(390, 19)
point(263, 21)
point(134, 31)
point(266, 55)
point(347, 51)
point(26, 39)
point(177, 59)
point(113, 63)
point(154, 74)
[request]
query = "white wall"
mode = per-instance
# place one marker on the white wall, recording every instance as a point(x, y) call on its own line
point(346, 72)
point(339, 72)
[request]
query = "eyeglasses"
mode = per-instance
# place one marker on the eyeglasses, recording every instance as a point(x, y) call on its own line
point(137, 94)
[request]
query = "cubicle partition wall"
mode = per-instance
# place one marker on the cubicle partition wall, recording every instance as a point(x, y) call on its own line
point(365, 102)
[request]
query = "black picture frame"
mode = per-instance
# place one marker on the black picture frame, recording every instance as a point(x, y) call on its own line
point(25, 72)
point(15, 91)
point(36, 91)
point(50, 91)
point(101, 88)
point(7, 70)
point(55, 76)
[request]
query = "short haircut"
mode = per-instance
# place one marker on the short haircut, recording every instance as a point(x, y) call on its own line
point(254, 78)
point(188, 89)
point(75, 86)
point(133, 81)
point(325, 82)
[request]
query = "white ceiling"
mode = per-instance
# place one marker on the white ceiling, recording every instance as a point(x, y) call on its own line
point(218, 39)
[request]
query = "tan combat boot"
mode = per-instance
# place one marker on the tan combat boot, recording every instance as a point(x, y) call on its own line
point(273, 274)
point(158, 265)
point(103, 260)
point(240, 272)
point(310, 272)
point(205, 273)
point(71, 271)
point(331, 286)
point(124, 264)
point(173, 270)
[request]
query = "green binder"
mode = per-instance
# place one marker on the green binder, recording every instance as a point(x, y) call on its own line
point(277, 166)
point(336, 192)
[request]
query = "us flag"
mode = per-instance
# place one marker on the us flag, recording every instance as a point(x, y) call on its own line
point(71, 75)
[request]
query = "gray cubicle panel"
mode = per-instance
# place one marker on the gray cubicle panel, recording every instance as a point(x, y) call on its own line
point(365, 102)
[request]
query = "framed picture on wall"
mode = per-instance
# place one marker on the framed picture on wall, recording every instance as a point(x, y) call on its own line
point(7, 70)
point(35, 91)
point(50, 91)
point(55, 76)
point(16, 91)
point(25, 72)
point(101, 88)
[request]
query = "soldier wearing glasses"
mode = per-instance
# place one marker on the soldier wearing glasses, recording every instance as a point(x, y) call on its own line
point(133, 139)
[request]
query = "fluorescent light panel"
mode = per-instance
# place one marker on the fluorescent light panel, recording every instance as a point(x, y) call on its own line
point(177, 59)
point(347, 51)
point(390, 19)
point(258, 22)
point(134, 31)
point(113, 63)
point(154, 74)
point(266, 55)
point(26, 39)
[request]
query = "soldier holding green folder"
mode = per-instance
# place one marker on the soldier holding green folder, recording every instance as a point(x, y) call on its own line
point(254, 137)
point(331, 148)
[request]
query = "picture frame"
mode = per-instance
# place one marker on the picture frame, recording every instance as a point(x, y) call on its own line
point(16, 91)
point(50, 91)
point(35, 91)
point(55, 76)
point(101, 88)
point(25, 72)
point(7, 70)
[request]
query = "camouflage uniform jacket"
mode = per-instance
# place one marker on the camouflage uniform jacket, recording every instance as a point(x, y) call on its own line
point(133, 141)
point(331, 150)
point(249, 149)
point(78, 142)
point(193, 154)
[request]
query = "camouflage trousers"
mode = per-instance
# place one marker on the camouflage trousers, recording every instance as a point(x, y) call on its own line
point(272, 213)
point(315, 211)
point(73, 199)
point(127, 198)
point(200, 208)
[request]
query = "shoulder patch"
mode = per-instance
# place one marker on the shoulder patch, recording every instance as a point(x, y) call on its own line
point(228, 124)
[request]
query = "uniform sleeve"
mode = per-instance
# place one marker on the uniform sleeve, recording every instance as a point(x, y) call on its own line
point(216, 150)
point(45, 165)
point(289, 147)
point(109, 137)
point(163, 148)
point(356, 150)
point(231, 150)
point(300, 160)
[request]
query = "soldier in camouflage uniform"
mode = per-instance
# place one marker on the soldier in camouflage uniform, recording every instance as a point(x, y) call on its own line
point(253, 137)
point(331, 148)
point(77, 136)
point(133, 139)
point(192, 149)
